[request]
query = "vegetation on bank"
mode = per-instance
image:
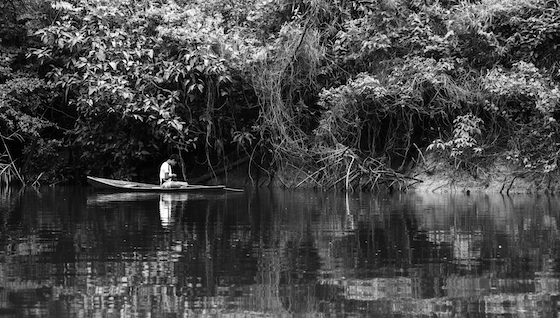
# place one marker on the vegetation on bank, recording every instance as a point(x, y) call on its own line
point(349, 93)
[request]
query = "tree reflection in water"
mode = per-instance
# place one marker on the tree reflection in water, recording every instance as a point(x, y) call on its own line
point(70, 252)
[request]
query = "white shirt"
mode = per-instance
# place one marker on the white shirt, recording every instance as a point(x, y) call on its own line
point(165, 168)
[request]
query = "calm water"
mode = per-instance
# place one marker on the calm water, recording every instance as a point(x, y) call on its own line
point(72, 252)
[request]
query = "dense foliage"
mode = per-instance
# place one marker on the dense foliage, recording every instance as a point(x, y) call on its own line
point(346, 91)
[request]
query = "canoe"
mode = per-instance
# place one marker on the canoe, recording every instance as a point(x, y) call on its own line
point(111, 184)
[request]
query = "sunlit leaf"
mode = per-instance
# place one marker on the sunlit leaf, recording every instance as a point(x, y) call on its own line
point(101, 55)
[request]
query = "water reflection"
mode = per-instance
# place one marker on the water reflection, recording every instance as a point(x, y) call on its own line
point(72, 252)
point(165, 207)
point(171, 206)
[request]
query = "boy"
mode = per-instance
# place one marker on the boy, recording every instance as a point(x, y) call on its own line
point(166, 174)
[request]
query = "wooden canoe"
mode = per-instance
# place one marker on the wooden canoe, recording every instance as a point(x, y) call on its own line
point(111, 184)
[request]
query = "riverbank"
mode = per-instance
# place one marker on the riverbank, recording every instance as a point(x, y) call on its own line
point(432, 174)
point(500, 176)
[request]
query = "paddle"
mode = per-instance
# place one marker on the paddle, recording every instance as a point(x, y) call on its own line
point(225, 188)
point(209, 186)
point(188, 185)
point(234, 190)
point(205, 186)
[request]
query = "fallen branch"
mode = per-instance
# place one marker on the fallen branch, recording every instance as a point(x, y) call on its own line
point(217, 172)
point(308, 177)
point(12, 161)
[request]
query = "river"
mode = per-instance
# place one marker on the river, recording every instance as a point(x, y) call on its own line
point(75, 252)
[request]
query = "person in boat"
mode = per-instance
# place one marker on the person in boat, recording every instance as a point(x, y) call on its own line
point(167, 179)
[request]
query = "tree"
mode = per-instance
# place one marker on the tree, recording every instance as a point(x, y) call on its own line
point(137, 77)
